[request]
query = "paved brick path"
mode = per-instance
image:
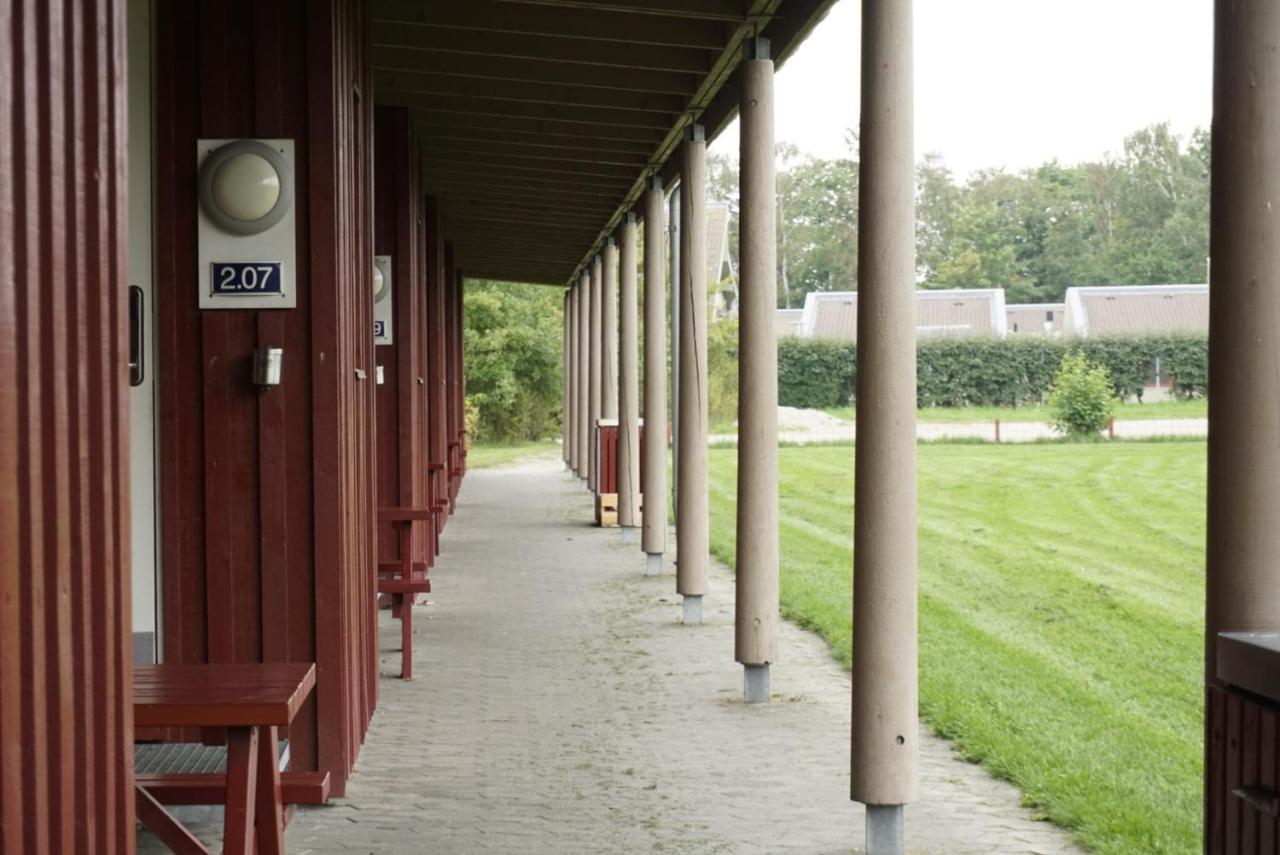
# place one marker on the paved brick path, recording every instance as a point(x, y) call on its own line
point(561, 708)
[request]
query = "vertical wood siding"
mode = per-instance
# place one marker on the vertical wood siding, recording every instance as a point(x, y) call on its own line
point(438, 441)
point(65, 719)
point(267, 497)
point(1244, 752)
point(402, 410)
point(449, 280)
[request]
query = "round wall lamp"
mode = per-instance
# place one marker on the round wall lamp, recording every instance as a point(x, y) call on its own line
point(380, 289)
point(245, 187)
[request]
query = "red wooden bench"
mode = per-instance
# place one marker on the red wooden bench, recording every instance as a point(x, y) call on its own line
point(404, 579)
point(249, 702)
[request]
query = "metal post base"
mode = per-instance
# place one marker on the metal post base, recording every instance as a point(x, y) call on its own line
point(755, 684)
point(885, 830)
point(653, 564)
point(692, 610)
point(630, 534)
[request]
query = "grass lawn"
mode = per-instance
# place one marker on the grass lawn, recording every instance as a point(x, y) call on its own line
point(1163, 410)
point(486, 456)
point(1061, 616)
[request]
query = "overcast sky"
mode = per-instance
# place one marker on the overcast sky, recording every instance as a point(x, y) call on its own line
point(1012, 83)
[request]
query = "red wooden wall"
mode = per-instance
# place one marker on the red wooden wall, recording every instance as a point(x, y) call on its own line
point(1244, 751)
point(65, 721)
point(400, 231)
point(454, 421)
point(267, 497)
point(438, 441)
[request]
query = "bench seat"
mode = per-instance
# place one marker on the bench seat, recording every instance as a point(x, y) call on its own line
point(210, 788)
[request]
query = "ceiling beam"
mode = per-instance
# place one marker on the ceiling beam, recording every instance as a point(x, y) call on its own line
point(432, 134)
point(504, 152)
point(457, 165)
point(451, 102)
point(534, 71)
point(500, 190)
point(786, 31)
point(759, 12)
point(525, 230)
point(532, 212)
point(540, 20)
point(550, 48)
point(526, 92)
point(530, 259)
point(550, 130)
point(718, 10)
point(532, 279)
point(573, 170)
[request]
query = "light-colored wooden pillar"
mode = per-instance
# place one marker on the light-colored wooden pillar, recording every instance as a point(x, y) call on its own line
point(885, 728)
point(756, 603)
point(597, 371)
point(1243, 555)
point(654, 488)
point(571, 411)
point(584, 376)
point(673, 247)
point(564, 381)
point(628, 383)
point(609, 331)
point(692, 520)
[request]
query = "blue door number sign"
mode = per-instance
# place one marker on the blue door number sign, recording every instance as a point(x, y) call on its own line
point(246, 278)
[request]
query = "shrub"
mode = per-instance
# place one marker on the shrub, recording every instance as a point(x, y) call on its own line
point(722, 371)
point(957, 371)
point(1081, 399)
point(815, 372)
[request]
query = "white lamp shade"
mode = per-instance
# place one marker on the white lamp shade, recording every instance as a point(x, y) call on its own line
point(246, 187)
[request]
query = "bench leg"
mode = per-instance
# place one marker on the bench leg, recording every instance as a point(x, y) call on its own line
point(270, 813)
point(162, 824)
point(406, 637)
point(242, 760)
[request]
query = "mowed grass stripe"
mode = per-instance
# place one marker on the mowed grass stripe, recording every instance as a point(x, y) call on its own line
point(1061, 603)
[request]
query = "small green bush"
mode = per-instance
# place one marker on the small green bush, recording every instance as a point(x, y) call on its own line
point(722, 371)
point(815, 372)
point(1081, 399)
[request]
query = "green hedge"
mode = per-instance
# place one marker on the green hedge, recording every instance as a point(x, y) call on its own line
point(958, 372)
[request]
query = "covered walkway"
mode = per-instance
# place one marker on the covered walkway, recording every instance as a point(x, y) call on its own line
point(560, 707)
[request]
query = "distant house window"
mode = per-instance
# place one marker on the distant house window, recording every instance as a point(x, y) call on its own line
point(1015, 326)
point(1048, 316)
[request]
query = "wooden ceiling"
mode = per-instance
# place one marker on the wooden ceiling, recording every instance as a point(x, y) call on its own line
point(540, 120)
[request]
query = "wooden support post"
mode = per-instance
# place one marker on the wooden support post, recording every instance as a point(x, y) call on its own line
point(756, 610)
point(584, 376)
point(596, 331)
point(564, 379)
point(692, 520)
point(629, 382)
point(571, 367)
point(1243, 549)
point(654, 488)
point(609, 331)
point(885, 728)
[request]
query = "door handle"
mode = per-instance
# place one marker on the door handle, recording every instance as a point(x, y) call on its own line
point(137, 340)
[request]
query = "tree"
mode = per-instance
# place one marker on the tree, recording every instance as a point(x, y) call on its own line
point(513, 335)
